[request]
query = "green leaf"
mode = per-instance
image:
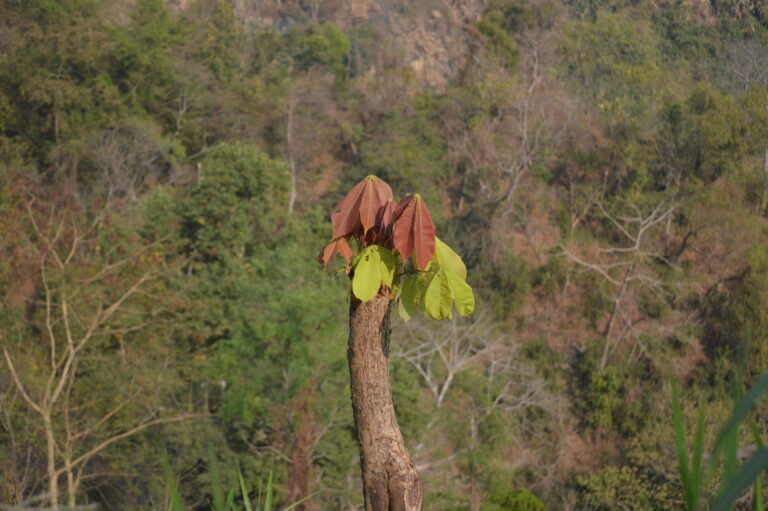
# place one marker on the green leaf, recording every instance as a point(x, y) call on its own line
point(244, 490)
point(219, 503)
point(449, 259)
point(740, 412)
point(405, 313)
point(749, 471)
point(356, 258)
point(455, 273)
point(409, 301)
point(176, 503)
point(268, 496)
point(462, 294)
point(682, 453)
point(757, 503)
point(696, 460)
point(387, 265)
point(298, 502)
point(367, 278)
point(438, 299)
point(443, 282)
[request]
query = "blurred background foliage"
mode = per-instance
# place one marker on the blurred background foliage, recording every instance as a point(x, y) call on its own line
point(601, 166)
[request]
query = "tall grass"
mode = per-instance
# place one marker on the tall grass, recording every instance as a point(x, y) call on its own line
point(264, 500)
point(697, 471)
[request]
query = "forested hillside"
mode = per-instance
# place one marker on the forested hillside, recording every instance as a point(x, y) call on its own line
point(166, 172)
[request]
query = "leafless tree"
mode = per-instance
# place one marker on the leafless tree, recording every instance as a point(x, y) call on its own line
point(627, 265)
point(440, 351)
point(534, 115)
point(19, 472)
point(308, 132)
point(127, 157)
point(747, 67)
point(78, 309)
point(747, 64)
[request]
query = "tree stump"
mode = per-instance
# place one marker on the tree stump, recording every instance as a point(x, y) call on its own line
point(390, 480)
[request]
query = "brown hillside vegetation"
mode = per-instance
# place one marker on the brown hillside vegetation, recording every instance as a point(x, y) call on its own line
point(166, 170)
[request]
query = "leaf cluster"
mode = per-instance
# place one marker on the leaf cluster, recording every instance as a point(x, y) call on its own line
point(398, 253)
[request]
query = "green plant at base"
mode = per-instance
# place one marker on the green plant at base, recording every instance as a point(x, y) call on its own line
point(264, 501)
point(696, 471)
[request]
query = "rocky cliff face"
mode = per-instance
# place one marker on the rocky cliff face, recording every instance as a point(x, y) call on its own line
point(437, 39)
point(434, 37)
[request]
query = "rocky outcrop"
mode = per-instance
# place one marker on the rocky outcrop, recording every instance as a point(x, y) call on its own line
point(434, 37)
point(437, 40)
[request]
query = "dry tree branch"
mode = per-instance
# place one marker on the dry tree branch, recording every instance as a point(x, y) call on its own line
point(136, 429)
point(19, 384)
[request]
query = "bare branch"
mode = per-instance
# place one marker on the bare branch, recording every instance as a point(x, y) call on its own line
point(136, 429)
point(47, 240)
point(101, 421)
point(19, 385)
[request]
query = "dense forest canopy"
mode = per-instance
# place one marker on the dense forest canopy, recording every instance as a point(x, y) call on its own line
point(165, 175)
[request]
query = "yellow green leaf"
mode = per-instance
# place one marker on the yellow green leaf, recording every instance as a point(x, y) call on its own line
point(449, 259)
point(387, 265)
point(438, 299)
point(367, 278)
point(462, 294)
point(407, 307)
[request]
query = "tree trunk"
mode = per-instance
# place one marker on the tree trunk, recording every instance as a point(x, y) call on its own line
point(474, 486)
point(390, 480)
point(289, 153)
point(612, 317)
point(301, 452)
point(71, 487)
point(53, 478)
point(764, 199)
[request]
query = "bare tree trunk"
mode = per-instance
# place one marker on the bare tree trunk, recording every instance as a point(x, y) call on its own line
point(390, 480)
point(71, 486)
point(612, 317)
point(53, 476)
point(474, 490)
point(289, 151)
point(764, 200)
point(301, 453)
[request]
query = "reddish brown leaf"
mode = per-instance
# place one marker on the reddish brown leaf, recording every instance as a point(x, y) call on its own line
point(352, 196)
point(382, 232)
point(344, 249)
point(373, 199)
point(385, 214)
point(328, 253)
point(357, 210)
point(423, 234)
point(343, 223)
point(414, 232)
point(344, 219)
point(402, 234)
point(407, 198)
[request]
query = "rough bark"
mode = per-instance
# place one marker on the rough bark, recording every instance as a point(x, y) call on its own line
point(390, 480)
